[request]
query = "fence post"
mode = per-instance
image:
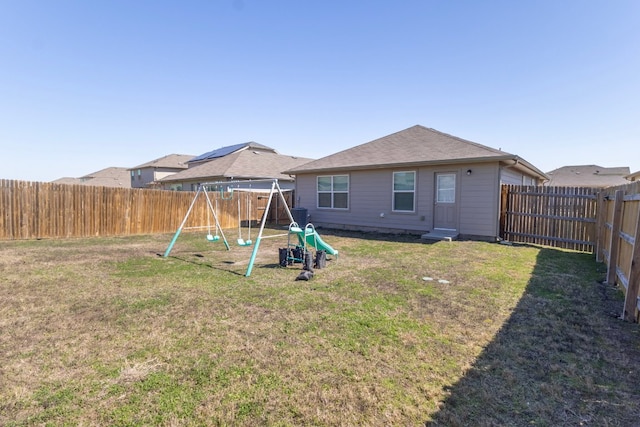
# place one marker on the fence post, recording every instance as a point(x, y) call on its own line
point(504, 195)
point(600, 220)
point(631, 296)
point(614, 246)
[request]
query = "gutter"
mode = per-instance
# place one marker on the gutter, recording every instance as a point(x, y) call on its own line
point(516, 162)
point(519, 163)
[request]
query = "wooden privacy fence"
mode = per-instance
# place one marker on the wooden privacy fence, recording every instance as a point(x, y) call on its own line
point(563, 217)
point(618, 244)
point(605, 221)
point(34, 210)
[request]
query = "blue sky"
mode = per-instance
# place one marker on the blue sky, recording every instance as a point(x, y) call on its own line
point(85, 85)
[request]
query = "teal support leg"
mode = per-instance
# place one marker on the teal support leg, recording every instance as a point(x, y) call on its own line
point(173, 241)
point(253, 257)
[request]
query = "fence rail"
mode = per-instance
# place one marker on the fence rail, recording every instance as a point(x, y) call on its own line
point(35, 210)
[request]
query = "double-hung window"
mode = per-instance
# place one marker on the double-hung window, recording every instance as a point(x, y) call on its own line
point(404, 191)
point(333, 191)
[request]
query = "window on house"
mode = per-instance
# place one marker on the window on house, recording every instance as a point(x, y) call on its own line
point(527, 180)
point(404, 191)
point(333, 191)
point(139, 174)
point(133, 174)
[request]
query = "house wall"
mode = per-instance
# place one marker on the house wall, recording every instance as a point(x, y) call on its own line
point(512, 176)
point(163, 173)
point(479, 201)
point(150, 175)
point(370, 201)
point(141, 177)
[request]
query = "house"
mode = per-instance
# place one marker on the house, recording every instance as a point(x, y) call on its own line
point(633, 176)
point(229, 149)
point(248, 161)
point(588, 176)
point(147, 174)
point(108, 177)
point(418, 180)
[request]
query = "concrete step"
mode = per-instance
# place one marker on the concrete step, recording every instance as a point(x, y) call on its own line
point(441, 235)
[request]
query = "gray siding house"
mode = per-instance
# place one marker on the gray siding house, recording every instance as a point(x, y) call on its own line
point(147, 174)
point(418, 181)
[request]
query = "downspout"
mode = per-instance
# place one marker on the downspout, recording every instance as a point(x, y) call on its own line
point(514, 162)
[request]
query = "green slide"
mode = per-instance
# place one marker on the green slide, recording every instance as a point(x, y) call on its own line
point(313, 239)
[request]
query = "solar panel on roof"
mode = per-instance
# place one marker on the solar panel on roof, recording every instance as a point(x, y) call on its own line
point(220, 152)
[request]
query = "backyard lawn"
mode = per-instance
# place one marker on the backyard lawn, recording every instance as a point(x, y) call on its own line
point(106, 331)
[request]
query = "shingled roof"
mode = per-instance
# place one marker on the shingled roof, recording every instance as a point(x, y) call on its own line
point(172, 161)
point(108, 177)
point(245, 164)
point(416, 145)
point(229, 149)
point(588, 176)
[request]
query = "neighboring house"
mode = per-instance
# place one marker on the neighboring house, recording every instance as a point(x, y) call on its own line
point(418, 180)
point(248, 161)
point(229, 149)
point(588, 176)
point(633, 176)
point(109, 177)
point(147, 174)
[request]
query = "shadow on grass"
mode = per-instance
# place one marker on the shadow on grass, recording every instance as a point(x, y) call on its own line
point(205, 263)
point(562, 358)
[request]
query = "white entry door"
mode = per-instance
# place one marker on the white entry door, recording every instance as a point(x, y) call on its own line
point(446, 209)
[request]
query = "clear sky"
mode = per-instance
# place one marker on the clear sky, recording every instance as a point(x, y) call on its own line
point(88, 84)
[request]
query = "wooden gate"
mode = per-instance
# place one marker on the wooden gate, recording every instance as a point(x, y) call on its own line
point(563, 217)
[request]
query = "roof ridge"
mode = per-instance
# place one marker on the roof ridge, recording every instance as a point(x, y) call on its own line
point(477, 144)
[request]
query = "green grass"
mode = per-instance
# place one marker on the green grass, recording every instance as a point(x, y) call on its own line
point(108, 332)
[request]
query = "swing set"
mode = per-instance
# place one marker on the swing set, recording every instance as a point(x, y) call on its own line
point(240, 187)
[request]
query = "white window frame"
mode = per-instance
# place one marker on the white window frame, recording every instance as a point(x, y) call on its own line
point(394, 192)
point(332, 192)
point(528, 180)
